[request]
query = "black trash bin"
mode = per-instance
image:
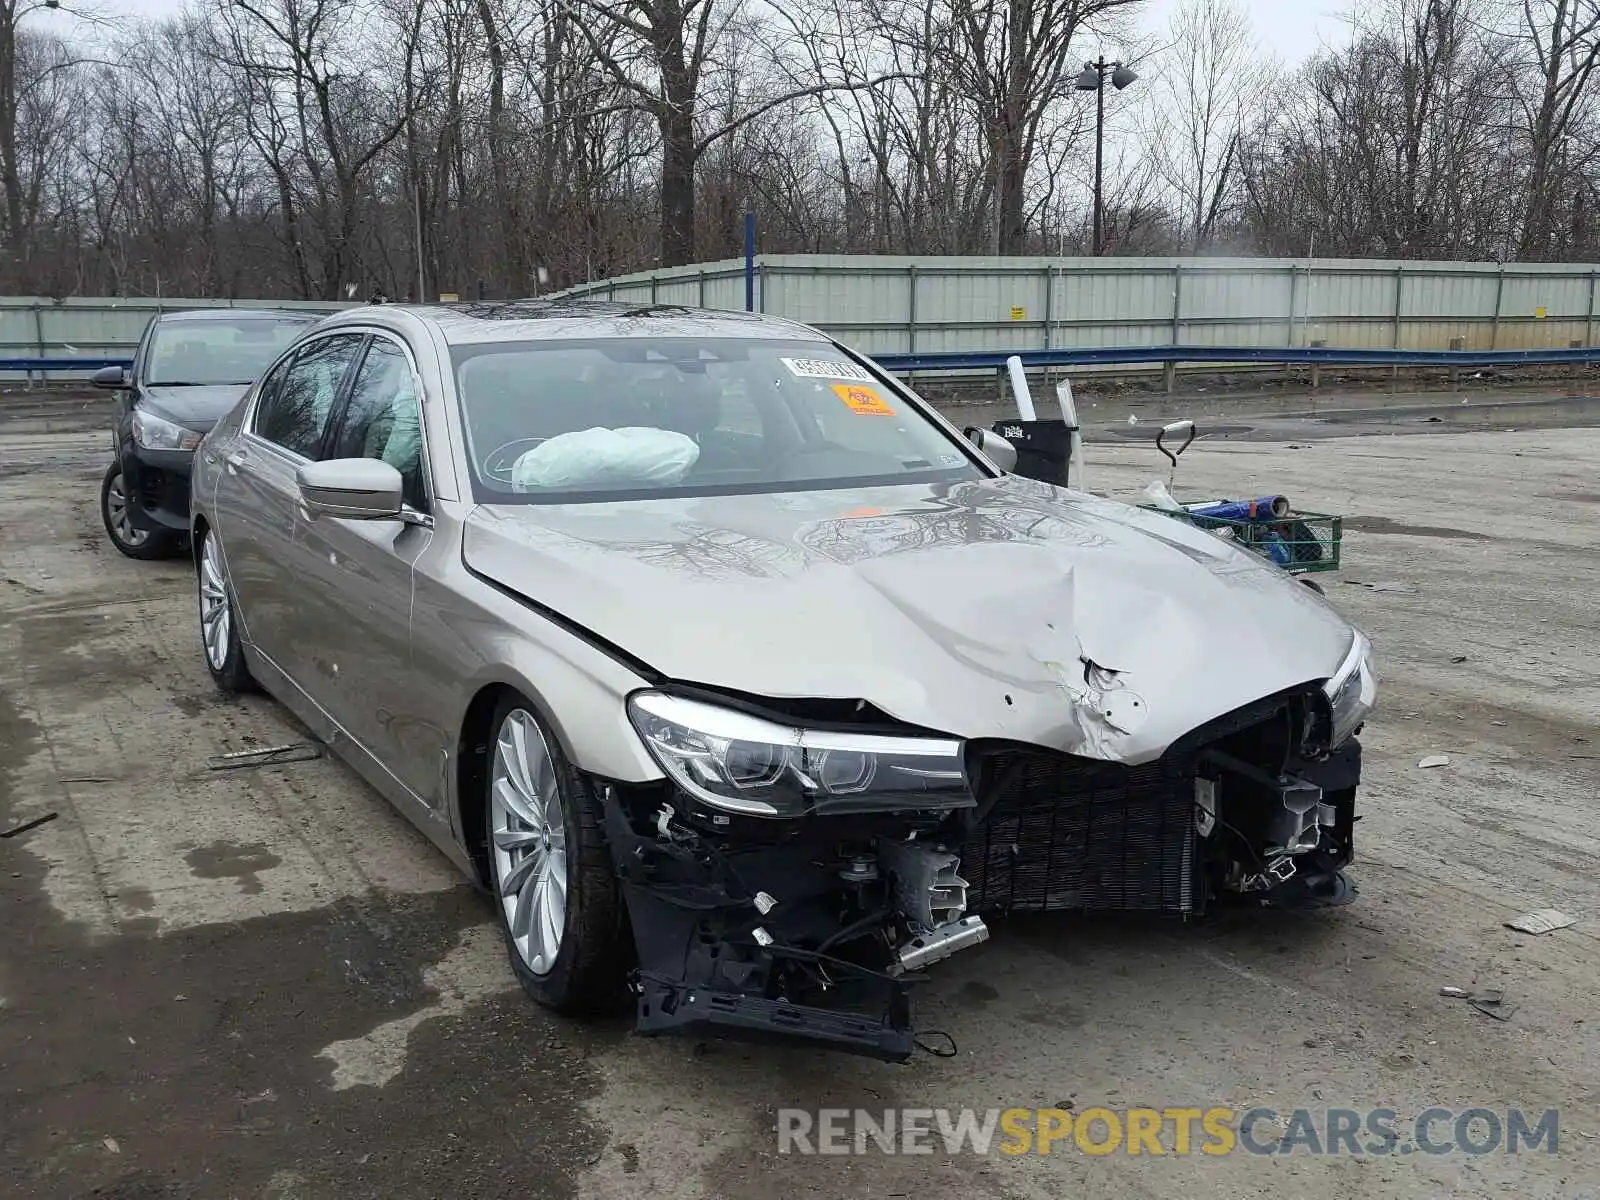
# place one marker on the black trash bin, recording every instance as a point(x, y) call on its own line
point(1043, 448)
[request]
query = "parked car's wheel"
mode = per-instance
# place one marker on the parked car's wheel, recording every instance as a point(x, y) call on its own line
point(219, 632)
point(135, 543)
point(557, 897)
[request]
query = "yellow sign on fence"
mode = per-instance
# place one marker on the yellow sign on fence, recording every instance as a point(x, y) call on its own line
point(1018, 313)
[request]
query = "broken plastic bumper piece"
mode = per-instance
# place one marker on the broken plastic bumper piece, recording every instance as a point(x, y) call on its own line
point(666, 1007)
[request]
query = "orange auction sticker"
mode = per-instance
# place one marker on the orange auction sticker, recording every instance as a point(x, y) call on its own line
point(863, 401)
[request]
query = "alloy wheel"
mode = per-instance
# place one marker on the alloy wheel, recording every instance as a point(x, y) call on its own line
point(528, 836)
point(216, 617)
point(117, 513)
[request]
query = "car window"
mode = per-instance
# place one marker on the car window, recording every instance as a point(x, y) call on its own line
point(222, 350)
point(382, 419)
point(607, 418)
point(296, 414)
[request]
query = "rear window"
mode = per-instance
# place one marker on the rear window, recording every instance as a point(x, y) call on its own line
point(236, 350)
point(613, 418)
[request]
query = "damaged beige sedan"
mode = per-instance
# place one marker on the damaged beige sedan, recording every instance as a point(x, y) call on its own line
point(741, 679)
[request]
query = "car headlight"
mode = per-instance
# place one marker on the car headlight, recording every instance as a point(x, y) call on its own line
point(742, 763)
point(158, 433)
point(1352, 691)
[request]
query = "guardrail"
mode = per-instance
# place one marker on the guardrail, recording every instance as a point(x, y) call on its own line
point(1327, 356)
point(31, 365)
point(986, 360)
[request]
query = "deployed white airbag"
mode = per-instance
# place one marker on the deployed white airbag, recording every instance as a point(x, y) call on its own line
point(606, 457)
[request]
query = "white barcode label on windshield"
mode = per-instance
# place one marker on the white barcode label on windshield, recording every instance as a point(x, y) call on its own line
point(825, 368)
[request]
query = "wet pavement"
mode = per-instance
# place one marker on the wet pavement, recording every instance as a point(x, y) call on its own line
point(264, 983)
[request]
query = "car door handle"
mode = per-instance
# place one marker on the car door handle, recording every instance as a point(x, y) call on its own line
point(235, 461)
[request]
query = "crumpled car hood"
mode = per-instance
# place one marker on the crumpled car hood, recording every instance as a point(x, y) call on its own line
point(998, 608)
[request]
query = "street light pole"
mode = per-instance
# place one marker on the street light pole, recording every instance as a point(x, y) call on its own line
point(1093, 79)
point(1099, 157)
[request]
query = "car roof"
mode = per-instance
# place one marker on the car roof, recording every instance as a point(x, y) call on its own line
point(234, 314)
point(532, 320)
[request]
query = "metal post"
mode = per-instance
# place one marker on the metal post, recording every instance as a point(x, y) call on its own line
point(38, 334)
point(749, 261)
point(1170, 369)
point(1288, 338)
point(1588, 329)
point(1099, 156)
point(1049, 309)
point(1399, 296)
point(1499, 294)
point(416, 209)
point(911, 309)
point(702, 287)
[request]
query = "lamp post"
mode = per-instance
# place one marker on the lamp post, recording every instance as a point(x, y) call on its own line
point(1093, 79)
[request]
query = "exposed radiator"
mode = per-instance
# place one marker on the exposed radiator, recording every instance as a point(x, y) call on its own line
point(1076, 833)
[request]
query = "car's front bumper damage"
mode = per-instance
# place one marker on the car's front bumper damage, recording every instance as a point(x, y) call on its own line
point(816, 928)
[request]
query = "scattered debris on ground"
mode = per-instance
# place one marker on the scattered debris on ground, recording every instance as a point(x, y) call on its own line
point(1384, 585)
point(1434, 760)
point(27, 825)
point(271, 756)
point(1541, 921)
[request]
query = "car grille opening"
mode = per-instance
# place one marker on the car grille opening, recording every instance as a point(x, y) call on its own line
point(1061, 832)
point(1075, 833)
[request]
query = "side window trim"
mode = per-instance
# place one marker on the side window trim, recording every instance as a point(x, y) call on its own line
point(343, 404)
point(341, 396)
point(287, 362)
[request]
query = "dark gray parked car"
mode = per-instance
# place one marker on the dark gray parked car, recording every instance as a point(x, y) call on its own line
point(191, 367)
point(736, 673)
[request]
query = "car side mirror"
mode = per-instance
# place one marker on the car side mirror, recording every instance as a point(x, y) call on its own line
point(111, 378)
point(994, 447)
point(359, 489)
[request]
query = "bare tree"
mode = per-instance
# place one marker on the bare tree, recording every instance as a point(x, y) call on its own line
point(1209, 90)
point(1013, 62)
point(1560, 47)
point(328, 113)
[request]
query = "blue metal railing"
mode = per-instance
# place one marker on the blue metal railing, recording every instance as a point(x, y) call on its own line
point(62, 364)
point(1286, 355)
point(978, 360)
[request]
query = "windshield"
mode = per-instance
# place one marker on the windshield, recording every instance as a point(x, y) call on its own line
point(614, 418)
point(196, 353)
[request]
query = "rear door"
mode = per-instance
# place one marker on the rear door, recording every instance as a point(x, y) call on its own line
point(353, 626)
point(257, 495)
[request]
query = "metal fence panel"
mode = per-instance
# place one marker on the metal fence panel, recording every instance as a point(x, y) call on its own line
point(891, 305)
point(95, 327)
point(900, 305)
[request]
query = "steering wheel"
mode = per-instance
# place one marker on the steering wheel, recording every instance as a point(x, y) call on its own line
point(498, 463)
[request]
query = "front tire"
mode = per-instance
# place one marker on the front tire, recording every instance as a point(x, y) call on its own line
point(555, 891)
point(219, 629)
point(143, 544)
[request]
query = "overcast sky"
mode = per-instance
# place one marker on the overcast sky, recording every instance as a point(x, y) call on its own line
point(1293, 30)
point(1290, 29)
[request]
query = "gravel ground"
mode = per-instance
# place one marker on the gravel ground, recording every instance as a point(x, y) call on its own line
point(263, 983)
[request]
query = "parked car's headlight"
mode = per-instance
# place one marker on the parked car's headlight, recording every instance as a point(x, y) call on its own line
point(1352, 691)
point(158, 433)
point(743, 763)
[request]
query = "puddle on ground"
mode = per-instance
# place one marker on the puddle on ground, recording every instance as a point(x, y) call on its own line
point(222, 860)
point(1389, 525)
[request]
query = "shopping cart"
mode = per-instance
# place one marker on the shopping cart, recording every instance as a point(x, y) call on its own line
point(1299, 542)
